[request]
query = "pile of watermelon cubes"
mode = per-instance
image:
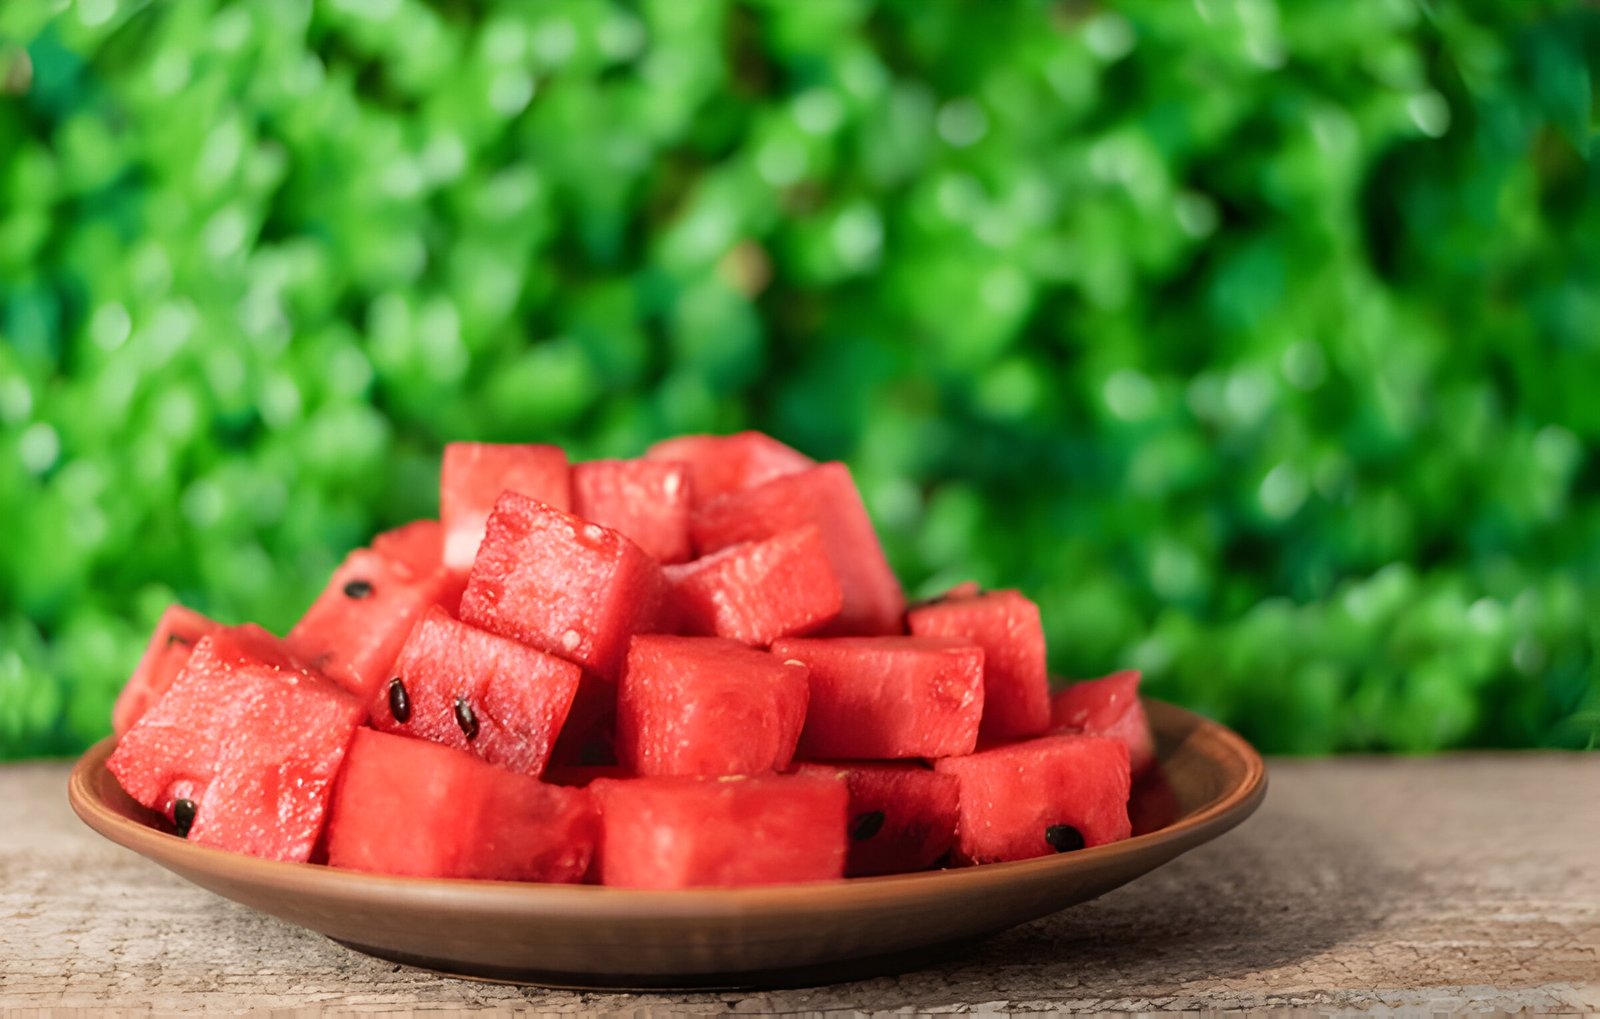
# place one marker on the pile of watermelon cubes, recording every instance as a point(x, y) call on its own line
point(694, 668)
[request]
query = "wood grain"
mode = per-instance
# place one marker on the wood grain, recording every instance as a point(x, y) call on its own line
point(1454, 883)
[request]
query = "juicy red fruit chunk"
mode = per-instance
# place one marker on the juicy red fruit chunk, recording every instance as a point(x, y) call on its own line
point(466, 688)
point(758, 591)
point(824, 497)
point(647, 501)
point(356, 627)
point(728, 832)
point(418, 546)
point(902, 814)
point(706, 706)
point(1017, 801)
point(472, 478)
point(561, 584)
point(251, 737)
point(719, 464)
point(1108, 706)
point(889, 697)
point(179, 630)
point(407, 806)
point(1016, 682)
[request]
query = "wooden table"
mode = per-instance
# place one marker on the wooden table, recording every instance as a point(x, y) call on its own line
point(1456, 883)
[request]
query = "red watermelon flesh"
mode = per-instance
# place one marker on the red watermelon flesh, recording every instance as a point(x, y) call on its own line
point(1108, 706)
point(354, 630)
point(408, 806)
point(902, 815)
point(889, 697)
point(176, 635)
point(824, 497)
point(721, 832)
point(561, 584)
point(472, 478)
point(719, 464)
point(707, 706)
point(757, 591)
point(463, 687)
point(419, 547)
point(1041, 796)
point(1016, 682)
point(647, 501)
point(251, 738)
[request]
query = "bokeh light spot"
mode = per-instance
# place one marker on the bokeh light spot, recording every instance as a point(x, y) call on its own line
point(39, 447)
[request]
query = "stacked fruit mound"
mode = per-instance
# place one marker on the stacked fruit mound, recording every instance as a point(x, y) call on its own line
point(693, 668)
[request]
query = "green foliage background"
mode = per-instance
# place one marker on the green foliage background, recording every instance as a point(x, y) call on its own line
point(1259, 342)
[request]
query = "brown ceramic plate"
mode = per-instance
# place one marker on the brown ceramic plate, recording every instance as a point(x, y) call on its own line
point(781, 935)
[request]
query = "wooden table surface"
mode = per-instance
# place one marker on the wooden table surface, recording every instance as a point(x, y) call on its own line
point(1455, 883)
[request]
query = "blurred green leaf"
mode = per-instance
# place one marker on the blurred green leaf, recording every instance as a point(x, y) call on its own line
point(1258, 342)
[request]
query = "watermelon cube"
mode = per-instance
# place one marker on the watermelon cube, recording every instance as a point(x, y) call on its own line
point(902, 814)
point(1108, 706)
point(824, 497)
point(419, 547)
point(176, 635)
point(757, 591)
point(472, 478)
point(561, 584)
point(1047, 795)
point(707, 706)
point(888, 697)
point(242, 751)
point(408, 806)
point(354, 630)
point(720, 832)
point(647, 501)
point(467, 688)
point(719, 464)
point(1016, 681)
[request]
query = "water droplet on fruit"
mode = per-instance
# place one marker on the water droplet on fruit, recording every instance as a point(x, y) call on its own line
point(1063, 838)
point(594, 533)
point(866, 825)
point(358, 589)
point(571, 639)
point(466, 719)
point(399, 701)
point(183, 813)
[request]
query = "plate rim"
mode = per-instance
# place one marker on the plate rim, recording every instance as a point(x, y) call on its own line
point(1219, 815)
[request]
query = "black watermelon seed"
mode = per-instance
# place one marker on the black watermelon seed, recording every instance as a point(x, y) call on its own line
point(866, 825)
point(1063, 838)
point(466, 719)
point(358, 589)
point(399, 701)
point(178, 638)
point(183, 817)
